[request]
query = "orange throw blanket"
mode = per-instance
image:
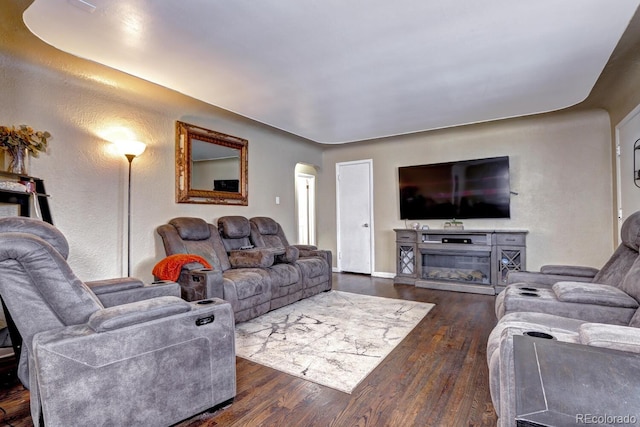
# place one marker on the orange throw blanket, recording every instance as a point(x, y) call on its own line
point(169, 268)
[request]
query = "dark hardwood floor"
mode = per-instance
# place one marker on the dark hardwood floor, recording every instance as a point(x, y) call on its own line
point(437, 376)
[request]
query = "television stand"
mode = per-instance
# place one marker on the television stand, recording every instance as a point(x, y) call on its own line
point(475, 261)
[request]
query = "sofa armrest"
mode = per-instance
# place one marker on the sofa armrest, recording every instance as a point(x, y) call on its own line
point(289, 256)
point(593, 293)
point(106, 286)
point(569, 270)
point(624, 338)
point(537, 278)
point(124, 315)
point(252, 258)
point(212, 279)
point(306, 252)
point(306, 247)
point(112, 292)
point(190, 266)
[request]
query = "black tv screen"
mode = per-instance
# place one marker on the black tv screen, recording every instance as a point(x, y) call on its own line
point(465, 189)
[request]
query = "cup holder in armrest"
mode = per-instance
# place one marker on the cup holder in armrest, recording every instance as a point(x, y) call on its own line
point(529, 294)
point(205, 302)
point(538, 334)
point(528, 289)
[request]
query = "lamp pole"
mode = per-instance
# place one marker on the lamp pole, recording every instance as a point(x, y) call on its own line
point(130, 158)
point(130, 149)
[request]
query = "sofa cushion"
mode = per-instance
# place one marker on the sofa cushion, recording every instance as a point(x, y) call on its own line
point(630, 232)
point(631, 282)
point(252, 258)
point(569, 270)
point(314, 267)
point(248, 283)
point(191, 228)
point(593, 293)
point(265, 225)
point(44, 230)
point(621, 338)
point(234, 227)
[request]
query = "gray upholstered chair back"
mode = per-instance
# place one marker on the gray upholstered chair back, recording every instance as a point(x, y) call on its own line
point(616, 268)
point(44, 230)
point(188, 235)
point(36, 284)
point(235, 232)
point(266, 232)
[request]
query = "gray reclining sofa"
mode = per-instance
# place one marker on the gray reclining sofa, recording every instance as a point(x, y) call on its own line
point(254, 278)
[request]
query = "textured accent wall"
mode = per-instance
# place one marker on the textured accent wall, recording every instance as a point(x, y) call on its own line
point(560, 166)
point(82, 103)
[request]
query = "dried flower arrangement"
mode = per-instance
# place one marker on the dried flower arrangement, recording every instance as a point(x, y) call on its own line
point(20, 141)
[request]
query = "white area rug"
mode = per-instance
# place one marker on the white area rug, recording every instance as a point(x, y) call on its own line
point(335, 338)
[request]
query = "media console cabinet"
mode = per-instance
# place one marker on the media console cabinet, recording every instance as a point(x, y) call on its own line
point(475, 261)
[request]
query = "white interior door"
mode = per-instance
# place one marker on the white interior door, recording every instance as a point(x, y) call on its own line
point(306, 196)
point(354, 182)
point(627, 134)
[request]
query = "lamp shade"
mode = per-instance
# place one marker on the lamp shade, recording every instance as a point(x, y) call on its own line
point(133, 148)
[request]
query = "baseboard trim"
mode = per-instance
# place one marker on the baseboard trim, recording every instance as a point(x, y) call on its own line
point(383, 274)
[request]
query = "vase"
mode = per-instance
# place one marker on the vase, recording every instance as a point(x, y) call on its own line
point(18, 163)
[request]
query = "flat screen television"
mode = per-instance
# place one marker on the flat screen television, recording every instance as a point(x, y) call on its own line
point(465, 189)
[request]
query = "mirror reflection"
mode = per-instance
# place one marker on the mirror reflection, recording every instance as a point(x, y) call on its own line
point(211, 167)
point(214, 167)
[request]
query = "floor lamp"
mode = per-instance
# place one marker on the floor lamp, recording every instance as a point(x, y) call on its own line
point(131, 150)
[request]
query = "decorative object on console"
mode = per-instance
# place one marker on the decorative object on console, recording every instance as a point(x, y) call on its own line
point(20, 142)
point(131, 150)
point(456, 225)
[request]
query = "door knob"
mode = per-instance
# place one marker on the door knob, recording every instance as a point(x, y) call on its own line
point(365, 225)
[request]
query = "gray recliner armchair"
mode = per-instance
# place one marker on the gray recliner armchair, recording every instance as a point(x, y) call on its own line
point(110, 292)
point(150, 363)
point(611, 273)
point(500, 356)
point(610, 333)
point(614, 300)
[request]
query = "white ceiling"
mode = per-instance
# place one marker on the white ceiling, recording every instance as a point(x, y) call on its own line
point(336, 71)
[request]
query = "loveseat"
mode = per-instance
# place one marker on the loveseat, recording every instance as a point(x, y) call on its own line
point(254, 278)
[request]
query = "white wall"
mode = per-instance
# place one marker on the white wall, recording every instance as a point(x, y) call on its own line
point(87, 180)
point(560, 166)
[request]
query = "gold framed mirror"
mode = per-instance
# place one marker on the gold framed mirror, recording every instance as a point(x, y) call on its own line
point(211, 167)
